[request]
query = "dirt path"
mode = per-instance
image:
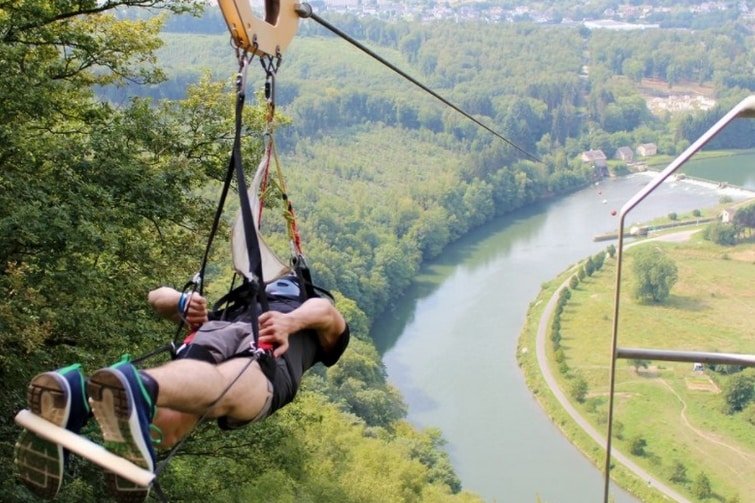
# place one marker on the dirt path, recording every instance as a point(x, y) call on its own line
point(745, 456)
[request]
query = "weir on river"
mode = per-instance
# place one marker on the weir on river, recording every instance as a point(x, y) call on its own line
point(451, 345)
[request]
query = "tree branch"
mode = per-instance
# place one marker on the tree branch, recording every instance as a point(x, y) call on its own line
point(177, 7)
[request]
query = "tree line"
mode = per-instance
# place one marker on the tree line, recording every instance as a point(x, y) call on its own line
point(545, 103)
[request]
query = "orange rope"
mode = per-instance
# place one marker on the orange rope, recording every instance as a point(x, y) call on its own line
point(288, 212)
point(263, 184)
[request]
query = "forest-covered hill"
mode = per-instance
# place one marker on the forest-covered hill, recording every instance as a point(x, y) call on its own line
point(106, 195)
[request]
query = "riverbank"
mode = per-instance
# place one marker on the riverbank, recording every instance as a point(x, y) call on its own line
point(592, 449)
point(664, 446)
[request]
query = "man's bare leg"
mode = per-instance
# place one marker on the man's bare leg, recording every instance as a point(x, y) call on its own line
point(192, 386)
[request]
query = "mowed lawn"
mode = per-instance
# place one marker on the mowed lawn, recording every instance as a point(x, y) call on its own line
point(677, 411)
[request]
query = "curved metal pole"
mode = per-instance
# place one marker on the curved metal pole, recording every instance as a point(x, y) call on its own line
point(612, 368)
point(745, 108)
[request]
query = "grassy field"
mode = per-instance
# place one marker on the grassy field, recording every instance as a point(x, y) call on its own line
point(528, 363)
point(677, 411)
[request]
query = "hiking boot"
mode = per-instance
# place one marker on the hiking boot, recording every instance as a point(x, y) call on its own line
point(58, 397)
point(123, 407)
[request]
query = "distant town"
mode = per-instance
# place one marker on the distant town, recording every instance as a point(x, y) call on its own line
point(624, 16)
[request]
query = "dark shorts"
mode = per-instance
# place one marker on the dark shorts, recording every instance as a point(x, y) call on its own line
point(217, 341)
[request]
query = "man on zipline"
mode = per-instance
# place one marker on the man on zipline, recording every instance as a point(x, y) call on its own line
point(215, 376)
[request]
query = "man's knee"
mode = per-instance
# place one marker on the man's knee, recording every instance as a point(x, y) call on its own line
point(249, 397)
point(173, 426)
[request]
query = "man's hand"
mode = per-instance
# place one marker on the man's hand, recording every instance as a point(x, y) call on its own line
point(195, 309)
point(315, 314)
point(275, 328)
point(167, 301)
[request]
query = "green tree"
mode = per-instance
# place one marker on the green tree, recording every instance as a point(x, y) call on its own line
point(655, 274)
point(359, 383)
point(745, 217)
point(428, 448)
point(611, 250)
point(573, 282)
point(701, 488)
point(638, 362)
point(721, 233)
point(637, 445)
point(749, 413)
point(579, 389)
point(678, 472)
point(559, 356)
point(589, 266)
point(100, 203)
point(618, 429)
point(581, 274)
point(739, 391)
point(598, 260)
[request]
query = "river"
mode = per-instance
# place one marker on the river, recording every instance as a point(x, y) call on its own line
point(451, 346)
point(734, 169)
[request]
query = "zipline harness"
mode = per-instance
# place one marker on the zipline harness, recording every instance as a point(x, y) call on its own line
point(250, 297)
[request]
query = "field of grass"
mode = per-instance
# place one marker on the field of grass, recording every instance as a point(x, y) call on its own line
point(528, 363)
point(678, 412)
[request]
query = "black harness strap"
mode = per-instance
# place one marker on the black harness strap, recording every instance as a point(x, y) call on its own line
point(254, 284)
point(253, 279)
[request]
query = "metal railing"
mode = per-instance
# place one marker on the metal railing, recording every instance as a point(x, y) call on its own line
point(686, 356)
point(745, 109)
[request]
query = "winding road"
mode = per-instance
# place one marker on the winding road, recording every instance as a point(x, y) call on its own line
point(540, 345)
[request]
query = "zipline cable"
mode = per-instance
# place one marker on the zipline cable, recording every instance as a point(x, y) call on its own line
point(304, 10)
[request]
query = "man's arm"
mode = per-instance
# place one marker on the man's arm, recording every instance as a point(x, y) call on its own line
point(315, 314)
point(165, 301)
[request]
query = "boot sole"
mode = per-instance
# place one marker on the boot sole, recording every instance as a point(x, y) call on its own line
point(113, 407)
point(41, 462)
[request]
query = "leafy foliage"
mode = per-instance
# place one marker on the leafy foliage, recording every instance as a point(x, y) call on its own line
point(655, 274)
point(637, 445)
point(678, 473)
point(97, 203)
point(579, 389)
point(589, 266)
point(721, 233)
point(745, 217)
point(739, 392)
point(573, 282)
point(101, 203)
point(638, 363)
point(701, 487)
